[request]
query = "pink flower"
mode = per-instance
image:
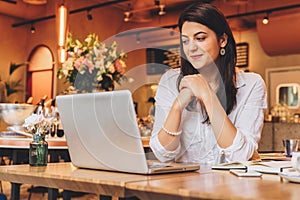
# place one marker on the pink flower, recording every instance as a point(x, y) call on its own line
point(89, 64)
point(93, 59)
point(99, 52)
point(78, 62)
point(77, 50)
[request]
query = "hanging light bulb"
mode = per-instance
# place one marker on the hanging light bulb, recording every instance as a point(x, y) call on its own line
point(127, 16)
point(161, 10)
point(89, 15)
point(32, 28)
point(62, 29)
point(266, 19)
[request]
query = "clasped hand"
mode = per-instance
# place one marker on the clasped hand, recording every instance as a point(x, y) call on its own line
point(193, 86)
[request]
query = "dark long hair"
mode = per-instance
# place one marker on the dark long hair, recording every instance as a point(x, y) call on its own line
point(210, 16)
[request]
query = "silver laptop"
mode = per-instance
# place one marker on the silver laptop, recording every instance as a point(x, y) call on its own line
point(102, 133)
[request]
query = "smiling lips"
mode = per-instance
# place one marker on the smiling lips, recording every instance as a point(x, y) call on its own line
point(196, 57)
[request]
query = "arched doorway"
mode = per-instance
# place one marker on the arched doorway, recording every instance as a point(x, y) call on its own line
point(40, 73)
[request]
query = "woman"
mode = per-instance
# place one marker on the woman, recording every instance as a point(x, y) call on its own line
point(206, 112)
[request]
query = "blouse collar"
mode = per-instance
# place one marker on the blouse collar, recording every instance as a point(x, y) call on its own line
point(240, 81)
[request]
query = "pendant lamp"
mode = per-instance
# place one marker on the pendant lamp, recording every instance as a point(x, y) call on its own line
point(62, 30)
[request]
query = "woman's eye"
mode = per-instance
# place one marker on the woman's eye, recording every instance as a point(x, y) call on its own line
point(185, 41)
point(200, 38)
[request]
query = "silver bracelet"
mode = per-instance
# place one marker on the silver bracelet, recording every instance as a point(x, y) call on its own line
point(170, 132)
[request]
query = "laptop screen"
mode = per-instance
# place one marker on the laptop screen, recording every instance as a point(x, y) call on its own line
point(102, 131)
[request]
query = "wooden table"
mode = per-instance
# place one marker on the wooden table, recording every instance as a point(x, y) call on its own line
point(65, 176)
point(17, 149)
point(203, 184)
point(215, 185)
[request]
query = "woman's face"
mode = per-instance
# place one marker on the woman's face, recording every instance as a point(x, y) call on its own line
point(200, 44)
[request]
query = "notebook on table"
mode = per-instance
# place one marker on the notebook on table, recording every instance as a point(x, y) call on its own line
point(102, 133)
point(270, 167)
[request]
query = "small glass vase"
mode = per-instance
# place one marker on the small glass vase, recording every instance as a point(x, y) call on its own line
point(38, 151)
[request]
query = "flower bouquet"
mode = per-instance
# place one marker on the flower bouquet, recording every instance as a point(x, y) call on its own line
point(39, 126)
point(91, 65)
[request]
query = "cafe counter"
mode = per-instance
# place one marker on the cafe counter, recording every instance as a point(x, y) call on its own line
point(274, 132)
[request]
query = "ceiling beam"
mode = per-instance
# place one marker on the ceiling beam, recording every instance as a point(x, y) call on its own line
point(10, 1)
point(88, 8)
point(271, 10)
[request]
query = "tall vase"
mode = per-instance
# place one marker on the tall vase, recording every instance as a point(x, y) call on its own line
point(38, 150)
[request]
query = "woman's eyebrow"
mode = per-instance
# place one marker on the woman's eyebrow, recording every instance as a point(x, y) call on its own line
point(198, 33)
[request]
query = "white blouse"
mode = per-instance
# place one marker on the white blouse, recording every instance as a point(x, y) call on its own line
point(198, 143)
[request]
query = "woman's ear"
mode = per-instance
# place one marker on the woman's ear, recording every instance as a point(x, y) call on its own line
point(223, 40)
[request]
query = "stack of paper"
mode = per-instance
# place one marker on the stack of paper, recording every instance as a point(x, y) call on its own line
point(273, 167)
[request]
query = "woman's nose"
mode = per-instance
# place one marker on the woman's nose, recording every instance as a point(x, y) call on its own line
point(193, 46)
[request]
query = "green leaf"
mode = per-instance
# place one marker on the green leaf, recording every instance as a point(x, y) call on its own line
point(14, 66)
point(13, 87)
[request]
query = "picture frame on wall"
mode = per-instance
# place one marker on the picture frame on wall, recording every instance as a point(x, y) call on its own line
point(242, 54)
point(162, 58)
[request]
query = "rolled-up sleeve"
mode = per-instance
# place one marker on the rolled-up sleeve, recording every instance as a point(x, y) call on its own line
point(248, 119)
point(160, 152)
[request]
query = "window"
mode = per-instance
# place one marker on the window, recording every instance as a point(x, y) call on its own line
point(288, 94)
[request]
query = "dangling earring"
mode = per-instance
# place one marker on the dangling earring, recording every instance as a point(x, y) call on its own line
point(222, 51)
